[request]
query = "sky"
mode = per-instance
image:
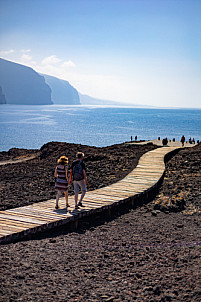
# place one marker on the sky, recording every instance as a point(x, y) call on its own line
point(145, 52)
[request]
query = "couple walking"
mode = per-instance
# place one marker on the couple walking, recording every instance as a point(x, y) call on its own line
point(77, 176)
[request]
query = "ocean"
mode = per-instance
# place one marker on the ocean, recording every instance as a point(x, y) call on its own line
point(32, 126)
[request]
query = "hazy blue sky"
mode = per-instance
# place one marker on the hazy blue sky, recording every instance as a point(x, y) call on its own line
point(137, 51)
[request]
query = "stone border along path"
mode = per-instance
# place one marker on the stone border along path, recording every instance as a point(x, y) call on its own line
point(137, 187)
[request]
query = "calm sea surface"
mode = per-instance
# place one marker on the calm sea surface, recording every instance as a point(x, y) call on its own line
point(32, 126)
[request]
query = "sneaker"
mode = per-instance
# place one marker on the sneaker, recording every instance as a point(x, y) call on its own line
point(80, 204)
point(56, 207)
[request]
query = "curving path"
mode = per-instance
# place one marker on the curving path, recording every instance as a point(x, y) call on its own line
point(137, 187)
point(19, 159)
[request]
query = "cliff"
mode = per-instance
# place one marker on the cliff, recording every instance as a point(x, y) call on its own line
point(62, 92)
point(22, 85)
point(2, 97)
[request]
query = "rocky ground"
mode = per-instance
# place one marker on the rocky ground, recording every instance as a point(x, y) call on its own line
point(151, 253)
point(32, 181)
point(181, 189)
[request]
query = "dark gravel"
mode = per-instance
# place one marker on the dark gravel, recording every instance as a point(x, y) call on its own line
point(33, 181)
point(141, 254)
point(181, 189)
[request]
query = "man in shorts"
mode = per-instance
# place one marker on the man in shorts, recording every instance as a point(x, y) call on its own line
point(78, 175)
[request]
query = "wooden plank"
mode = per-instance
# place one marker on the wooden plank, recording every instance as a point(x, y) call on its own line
point(57, 213)
point(46, 211)
point(146, 171)
point(95, 202)
point(136, 191)
point(113, 194)
point(81, 212)
point(33, 221)
point(99, 193)
point(99, 199)
point(130, 190)
point(13, 229)
point(4, 233)
point(16, 222)
point(139, 174)
point(44, 205)
point(7, 223)
point(134, 188)
point(105, 199)
point(29, 216)
point(89, 206)
point(116, 193)
point(150, 167)
point(50, 207)
point(36, 213)
point(136, 180)
point(118, 187)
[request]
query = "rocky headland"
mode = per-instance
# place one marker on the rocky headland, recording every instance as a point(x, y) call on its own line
point(21, 85)
point(62, 92)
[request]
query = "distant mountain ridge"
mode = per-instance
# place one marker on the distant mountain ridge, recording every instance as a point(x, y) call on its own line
point(88, 100)
point(62, 92)
point(22, 85)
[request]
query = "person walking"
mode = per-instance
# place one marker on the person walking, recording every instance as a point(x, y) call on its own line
point(78, 175)
point(183, 140)
point(61, 185)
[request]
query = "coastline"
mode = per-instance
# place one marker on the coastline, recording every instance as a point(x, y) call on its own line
point(99, 127)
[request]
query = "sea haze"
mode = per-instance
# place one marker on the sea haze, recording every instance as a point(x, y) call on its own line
point(32, 126)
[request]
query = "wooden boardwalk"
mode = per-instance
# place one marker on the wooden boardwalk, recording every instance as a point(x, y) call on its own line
point(140, 184)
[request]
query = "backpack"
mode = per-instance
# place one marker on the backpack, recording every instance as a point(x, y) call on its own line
point(78, 171)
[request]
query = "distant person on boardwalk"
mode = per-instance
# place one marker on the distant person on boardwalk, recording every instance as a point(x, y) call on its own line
point(135, 137)
point(131, 138)
point(61, 185)
point(165, 141)
point(190, 141)
point(183, 140)
point(78, 175)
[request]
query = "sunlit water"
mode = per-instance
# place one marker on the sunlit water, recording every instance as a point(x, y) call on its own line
point(32, 126)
